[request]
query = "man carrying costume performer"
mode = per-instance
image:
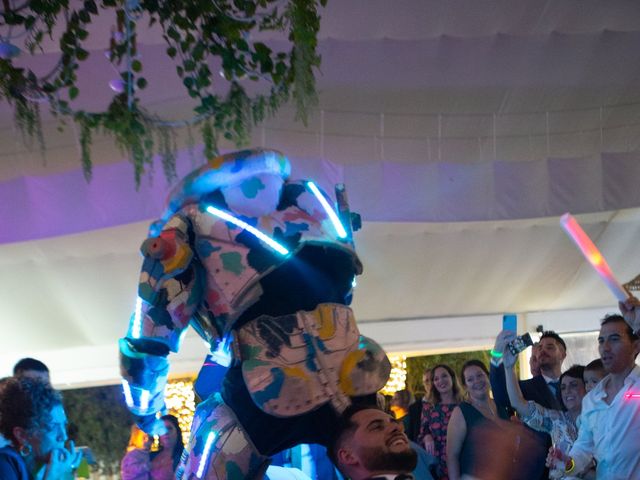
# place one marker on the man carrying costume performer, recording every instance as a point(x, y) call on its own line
point(262, 268)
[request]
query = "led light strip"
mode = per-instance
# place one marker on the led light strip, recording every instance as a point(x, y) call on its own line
point(244, 225)
point(127, 393)
point(342, 233)
point(144, 400)
point(145, 396)
point(205, 454)
point(222, 354)
point(136, 327)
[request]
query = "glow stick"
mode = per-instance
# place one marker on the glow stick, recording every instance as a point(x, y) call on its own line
point(593, 255)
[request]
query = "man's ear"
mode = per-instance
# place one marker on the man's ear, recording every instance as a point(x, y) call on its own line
point(346, 457)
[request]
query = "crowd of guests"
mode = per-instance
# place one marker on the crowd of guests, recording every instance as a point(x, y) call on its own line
point(34, 439)
point(581, 423)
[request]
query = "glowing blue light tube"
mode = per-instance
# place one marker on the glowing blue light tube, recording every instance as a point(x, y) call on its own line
point(222, 354)
point(244, 225)
point(205, 453)
point(342, 233)
point(136, 327)
point(127, 393)
point(144, 399)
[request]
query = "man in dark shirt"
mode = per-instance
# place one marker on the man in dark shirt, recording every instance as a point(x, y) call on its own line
point(543, 389)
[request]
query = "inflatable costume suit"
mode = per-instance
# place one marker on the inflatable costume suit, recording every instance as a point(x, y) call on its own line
point(262, 268)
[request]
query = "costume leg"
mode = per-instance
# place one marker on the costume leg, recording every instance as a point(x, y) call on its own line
point(219, 448)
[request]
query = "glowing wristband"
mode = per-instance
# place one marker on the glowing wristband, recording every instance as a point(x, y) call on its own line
point(495, 354)
point(571, 468)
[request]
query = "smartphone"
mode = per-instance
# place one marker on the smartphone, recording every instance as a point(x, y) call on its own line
point(510, 322)
point(520, 343)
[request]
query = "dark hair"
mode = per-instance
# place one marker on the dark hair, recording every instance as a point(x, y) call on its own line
point(344, 428)
point(574, 371)
point(555, 336)
point(26, 364)
point(179, 447)
point(434, 394)
point(615, 318)
point(595, 365)
point(472, 363)
point(25, 403)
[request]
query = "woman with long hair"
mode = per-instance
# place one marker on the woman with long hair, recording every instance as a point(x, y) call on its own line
point(140, 464)
point(472, 421)
point(444, 396)
point(34, 422)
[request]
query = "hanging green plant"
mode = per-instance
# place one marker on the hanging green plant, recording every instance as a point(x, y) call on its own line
point(196, 33)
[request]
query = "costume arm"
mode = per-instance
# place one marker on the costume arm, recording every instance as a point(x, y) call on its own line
point(456, 433)
point(170, 290)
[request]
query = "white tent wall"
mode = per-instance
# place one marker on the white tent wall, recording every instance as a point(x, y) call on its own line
point(426, 288)
point(463, 129)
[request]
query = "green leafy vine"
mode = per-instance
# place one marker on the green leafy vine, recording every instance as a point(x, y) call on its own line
point(197, 33)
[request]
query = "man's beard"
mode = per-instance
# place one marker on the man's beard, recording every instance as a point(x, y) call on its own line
point(376, 460)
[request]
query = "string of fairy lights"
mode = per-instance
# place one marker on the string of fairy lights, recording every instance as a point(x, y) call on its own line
point(180, 400)
point(398, 376)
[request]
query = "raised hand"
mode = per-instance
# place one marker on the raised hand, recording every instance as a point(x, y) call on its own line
point(503, 338)
point(60, 464)
point(630, 310)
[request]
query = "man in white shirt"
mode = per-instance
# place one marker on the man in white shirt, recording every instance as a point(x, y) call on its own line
point(609, 431)
point(370, 444)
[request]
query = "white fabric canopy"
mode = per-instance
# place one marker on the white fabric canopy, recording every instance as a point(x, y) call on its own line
point(463, 129)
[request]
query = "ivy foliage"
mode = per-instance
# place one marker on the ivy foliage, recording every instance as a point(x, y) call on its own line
point(100, 421)
point(198, 35)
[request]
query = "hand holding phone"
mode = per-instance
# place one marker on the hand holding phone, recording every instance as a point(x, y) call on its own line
point(519, 344)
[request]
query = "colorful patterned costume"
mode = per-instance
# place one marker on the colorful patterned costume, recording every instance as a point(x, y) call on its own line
point(262, 268)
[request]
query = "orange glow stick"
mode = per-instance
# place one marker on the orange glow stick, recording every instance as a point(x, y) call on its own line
point(593, 255)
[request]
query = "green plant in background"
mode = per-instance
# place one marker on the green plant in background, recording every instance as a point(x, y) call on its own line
point(102, 421)
point(196, 33)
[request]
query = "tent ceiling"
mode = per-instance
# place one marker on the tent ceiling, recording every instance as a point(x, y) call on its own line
point(462, 129)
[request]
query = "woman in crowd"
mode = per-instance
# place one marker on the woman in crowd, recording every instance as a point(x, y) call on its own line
point(405, 408)
point(472, 422)
point(560, 425)
point(33, 420)
point(443, 398)
point(140, 464)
